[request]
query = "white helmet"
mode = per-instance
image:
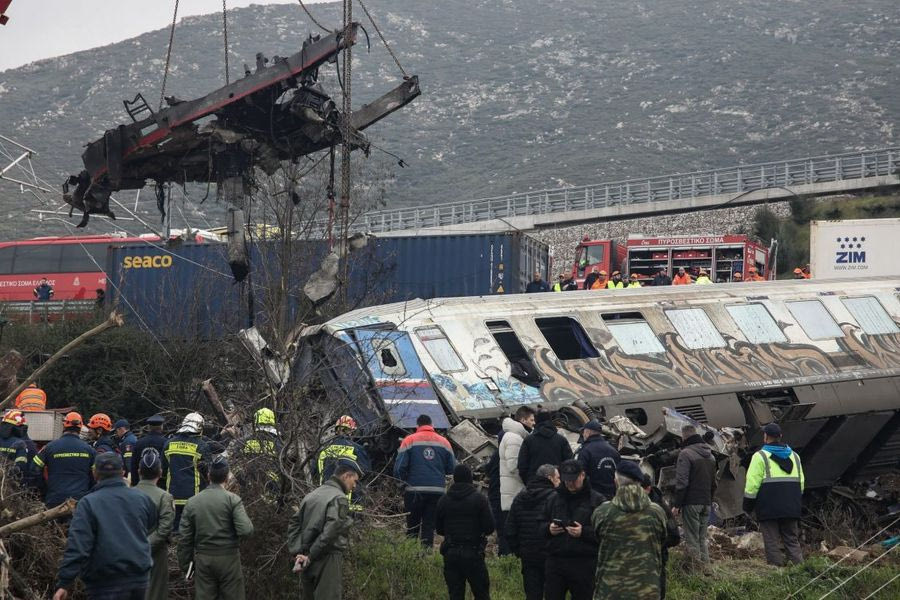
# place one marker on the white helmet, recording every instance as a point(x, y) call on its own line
point(192, 423)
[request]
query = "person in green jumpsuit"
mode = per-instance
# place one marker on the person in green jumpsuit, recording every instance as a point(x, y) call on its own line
point(212, 525)
point(150, 470)
point(317, 535)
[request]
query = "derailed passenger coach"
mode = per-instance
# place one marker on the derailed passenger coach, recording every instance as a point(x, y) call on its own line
point(822, 358)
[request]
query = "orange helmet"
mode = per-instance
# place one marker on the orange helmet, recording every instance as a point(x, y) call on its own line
point(346, 421)
point(100, 421)
point(72, 419)
point(14, 417)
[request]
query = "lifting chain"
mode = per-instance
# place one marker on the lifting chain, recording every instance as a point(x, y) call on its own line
point(162, 94)
point(225, 32)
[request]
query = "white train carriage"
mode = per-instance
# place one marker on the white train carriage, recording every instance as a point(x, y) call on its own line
point(820, 357)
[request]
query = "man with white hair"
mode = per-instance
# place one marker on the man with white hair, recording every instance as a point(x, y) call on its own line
point(631, 530)
point(187, 454)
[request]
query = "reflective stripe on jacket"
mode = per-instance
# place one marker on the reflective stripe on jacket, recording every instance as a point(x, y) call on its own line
point(771, 491)
point(185, 453)
point(31, 398)
point(423, 460)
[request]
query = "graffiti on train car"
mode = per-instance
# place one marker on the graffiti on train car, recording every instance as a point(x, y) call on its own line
point(739, 362)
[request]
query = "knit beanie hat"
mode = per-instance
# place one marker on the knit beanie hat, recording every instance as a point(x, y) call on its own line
point(462, 474)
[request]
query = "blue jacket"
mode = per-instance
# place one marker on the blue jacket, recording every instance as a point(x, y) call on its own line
point(107, 544)
point(599, 460)
point(125, 447)
point(423, 460)
point(150, 440)
point(187, 455)
point(105, 443)
point(14, 450)
point(66, 464)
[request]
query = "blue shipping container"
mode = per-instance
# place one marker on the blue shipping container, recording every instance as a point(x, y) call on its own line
point(187, 290)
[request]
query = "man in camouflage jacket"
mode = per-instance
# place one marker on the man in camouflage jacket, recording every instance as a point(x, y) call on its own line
point(631, 530)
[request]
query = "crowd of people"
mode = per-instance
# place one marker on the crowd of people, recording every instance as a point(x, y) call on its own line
point(587, 523)
point(599, 279)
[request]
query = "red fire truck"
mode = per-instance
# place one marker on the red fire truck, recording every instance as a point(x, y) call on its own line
point(70, 265)
point(721, 256)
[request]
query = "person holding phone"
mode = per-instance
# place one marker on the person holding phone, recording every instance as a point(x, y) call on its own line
point(571, 543)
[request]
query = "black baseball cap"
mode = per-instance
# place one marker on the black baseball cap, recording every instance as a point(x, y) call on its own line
point(593, 425)
point(108, 463)
point(772, 430)
point(570, 469)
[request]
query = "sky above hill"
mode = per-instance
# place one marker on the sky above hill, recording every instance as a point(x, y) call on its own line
point(40, 29)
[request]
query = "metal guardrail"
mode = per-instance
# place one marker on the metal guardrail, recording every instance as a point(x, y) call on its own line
point(733, 180)
point(52, 310)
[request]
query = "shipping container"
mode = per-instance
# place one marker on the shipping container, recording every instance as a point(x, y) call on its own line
point(854, 248)
point(187, 290)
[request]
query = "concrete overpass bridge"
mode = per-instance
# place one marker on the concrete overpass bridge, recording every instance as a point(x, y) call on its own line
point(684, 192)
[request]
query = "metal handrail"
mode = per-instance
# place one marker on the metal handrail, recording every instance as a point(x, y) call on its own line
point(738, 179)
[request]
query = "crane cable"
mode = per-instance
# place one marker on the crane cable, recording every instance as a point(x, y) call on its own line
point(162, 94)
point(383, 40)
point(312, 18)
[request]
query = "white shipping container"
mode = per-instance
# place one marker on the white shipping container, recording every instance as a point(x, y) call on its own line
point(854, 248)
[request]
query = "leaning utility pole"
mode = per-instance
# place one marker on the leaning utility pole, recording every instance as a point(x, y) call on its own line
point(344, 229)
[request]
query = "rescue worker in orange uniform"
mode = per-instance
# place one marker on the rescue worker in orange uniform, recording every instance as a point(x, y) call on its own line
point(752, 275)
point(32, 398)
point(798, 273)
point(101, 427)
point(682, 277)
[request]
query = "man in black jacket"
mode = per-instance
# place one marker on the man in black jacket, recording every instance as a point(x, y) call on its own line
point(463, 517)
point(545, 446)
point(523, 529)
point(598, 459)
point(695, 485)
point(154, 438)
point(673, 535)
point(572, 545)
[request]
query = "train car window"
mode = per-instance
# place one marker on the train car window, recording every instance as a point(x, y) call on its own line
point(388, 357)
point(439, 349)
point(77, 259)
point(815, 319)
point(566, 338)
point(633, 334)
point(638, 416)
point(520, 364)
point(37, 260)
point(6, 259)
point(756, 323)
point(695, 328)
point(870, 315)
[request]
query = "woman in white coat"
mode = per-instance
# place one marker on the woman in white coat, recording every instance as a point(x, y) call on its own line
point(514, 432)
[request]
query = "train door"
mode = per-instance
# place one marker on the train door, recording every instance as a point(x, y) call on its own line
point(399, 378)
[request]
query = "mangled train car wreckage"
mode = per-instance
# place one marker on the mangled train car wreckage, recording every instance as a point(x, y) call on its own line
point(275, 113)
point(822, 358)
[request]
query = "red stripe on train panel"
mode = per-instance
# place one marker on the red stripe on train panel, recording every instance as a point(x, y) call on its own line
point(66, 286)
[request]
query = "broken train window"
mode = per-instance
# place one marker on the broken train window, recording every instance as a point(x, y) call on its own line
point(520, 365)
point(695, 328)
point(632, 332)
point(566, 338)
point(388, 357)
point(870, 315)
point(440, 349)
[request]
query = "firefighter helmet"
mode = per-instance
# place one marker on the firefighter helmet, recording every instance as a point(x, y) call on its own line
point(264, 416)
point(192, 423)
point(346, 421)
point(72, 419)
point(100, 421)
point(14, 417)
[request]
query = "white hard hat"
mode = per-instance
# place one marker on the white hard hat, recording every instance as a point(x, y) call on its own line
point(192, 423)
